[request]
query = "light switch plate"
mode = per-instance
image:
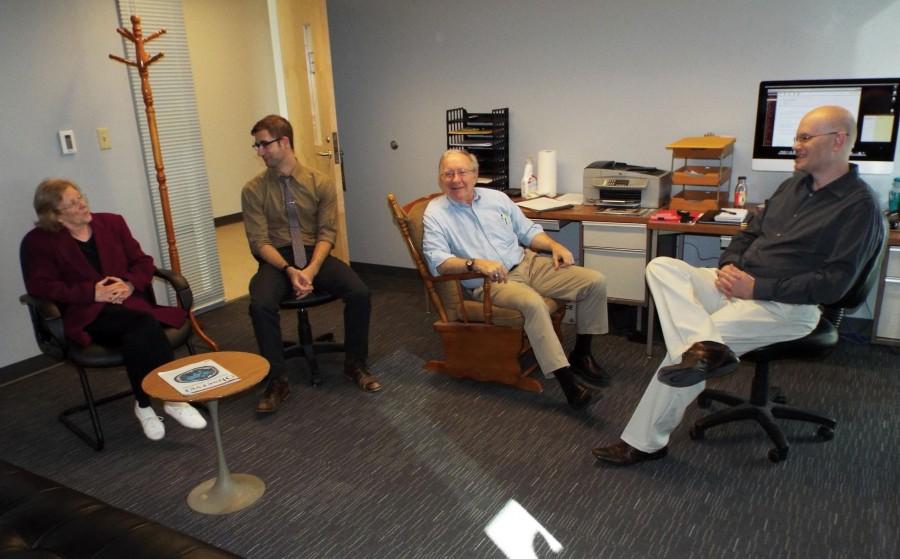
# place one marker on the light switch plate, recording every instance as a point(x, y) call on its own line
point(67, 142)
point(103, 138)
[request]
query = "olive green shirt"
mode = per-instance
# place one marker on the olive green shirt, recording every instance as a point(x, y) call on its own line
point(265, 218)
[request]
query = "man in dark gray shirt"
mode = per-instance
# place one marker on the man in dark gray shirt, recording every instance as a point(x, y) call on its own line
point(805, 249)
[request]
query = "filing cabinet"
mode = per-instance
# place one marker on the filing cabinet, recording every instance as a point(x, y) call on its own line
point(619, 252)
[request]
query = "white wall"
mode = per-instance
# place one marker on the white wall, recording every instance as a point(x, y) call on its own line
point(234, 77)
point(56, 75)
point(593, 79)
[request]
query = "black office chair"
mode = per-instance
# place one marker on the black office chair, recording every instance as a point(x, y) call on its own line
point(815, 346)
point(46, 319)
point(307, 346)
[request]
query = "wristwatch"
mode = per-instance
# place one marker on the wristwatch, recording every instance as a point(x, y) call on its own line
point(470, 265)
point(284, 268)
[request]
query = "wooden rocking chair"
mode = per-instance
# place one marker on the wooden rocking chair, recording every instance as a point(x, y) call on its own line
point(481, 340)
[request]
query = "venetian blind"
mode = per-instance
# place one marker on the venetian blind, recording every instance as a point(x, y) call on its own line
point(178, 125)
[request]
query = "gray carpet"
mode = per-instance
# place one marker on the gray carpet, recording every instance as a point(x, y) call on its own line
point(419, 469)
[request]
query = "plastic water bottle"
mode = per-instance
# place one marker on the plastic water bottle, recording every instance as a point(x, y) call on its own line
point(740, 192)
point(894, 200)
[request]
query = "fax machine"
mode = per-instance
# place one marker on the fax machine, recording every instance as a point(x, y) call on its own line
point(613, 184)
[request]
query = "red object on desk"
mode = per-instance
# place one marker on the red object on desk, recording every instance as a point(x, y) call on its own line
point(672, 216)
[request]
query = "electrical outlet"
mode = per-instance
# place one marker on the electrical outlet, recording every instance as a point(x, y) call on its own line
point(103, 138)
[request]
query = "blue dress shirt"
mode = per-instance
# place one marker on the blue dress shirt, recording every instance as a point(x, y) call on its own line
point(492, 228)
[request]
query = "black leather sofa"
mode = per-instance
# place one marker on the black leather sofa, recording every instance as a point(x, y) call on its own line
point(40, 518)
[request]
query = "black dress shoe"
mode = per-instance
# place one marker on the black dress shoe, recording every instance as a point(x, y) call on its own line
point(702, 361)
point(588, 370)
point(577, 395)
point(276, 393)
point(623, 454)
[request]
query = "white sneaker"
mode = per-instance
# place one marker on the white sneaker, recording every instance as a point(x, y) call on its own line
point(185, 414)
point(152, 423)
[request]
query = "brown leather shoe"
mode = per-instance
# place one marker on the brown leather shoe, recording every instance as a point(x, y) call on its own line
point(623, 454)
point(359, 374)
point(702, 361)
point(588, 370)
point(276, 393)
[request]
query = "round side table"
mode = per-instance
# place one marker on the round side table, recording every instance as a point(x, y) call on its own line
point(226, 492)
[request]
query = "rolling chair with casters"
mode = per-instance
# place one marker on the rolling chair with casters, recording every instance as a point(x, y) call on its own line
point(816, 345)
point(307, 346)
point(46, 320)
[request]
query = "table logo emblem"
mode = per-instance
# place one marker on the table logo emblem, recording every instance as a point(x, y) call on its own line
point(196, 375)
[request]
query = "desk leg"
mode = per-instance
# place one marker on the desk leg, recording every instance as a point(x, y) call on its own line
point(651, 307)
point(226, 492)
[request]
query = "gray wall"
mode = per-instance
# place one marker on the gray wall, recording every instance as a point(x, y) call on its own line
point(56, 75)
point(593, 79)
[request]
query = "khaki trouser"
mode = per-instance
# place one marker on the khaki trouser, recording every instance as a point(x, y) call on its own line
point(533, 279)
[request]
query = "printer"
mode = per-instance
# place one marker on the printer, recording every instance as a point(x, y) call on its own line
point(613, 184)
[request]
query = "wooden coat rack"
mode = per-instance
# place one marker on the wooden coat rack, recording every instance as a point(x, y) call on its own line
point(142, 64)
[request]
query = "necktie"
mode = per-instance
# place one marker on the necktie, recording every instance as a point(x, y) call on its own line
point(290, 206)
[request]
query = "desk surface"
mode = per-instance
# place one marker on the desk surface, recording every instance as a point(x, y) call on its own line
point(694, 228)
point(583, 213)
point(590, 213)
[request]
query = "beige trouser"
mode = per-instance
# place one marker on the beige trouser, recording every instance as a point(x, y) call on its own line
point(691, 309)
point(532, 280)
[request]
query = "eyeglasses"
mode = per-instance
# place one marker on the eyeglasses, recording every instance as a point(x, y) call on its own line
point(258, 145)
point(76, 202)
point(803, 138)
point(450, 173)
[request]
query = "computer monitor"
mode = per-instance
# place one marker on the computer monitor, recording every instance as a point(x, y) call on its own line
point(874, 102)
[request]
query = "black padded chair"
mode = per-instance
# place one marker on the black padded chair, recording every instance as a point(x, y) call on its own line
point(46, 319)
point(308, 346)
point(815, 346)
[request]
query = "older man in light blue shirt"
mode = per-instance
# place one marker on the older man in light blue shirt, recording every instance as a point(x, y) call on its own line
point(482, 230)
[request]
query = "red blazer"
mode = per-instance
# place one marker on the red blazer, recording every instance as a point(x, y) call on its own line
point(56, 269)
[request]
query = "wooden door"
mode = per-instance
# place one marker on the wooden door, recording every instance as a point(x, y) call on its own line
point(309, 88)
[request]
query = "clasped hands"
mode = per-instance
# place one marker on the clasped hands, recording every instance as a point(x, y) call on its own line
point(301, 281)
point(733, 282)
point(112, 290)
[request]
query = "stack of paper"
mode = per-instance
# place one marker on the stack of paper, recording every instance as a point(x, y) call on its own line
point(731, 215)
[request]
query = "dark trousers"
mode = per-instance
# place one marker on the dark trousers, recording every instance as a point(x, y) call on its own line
point(269, 286)
point(139, 337)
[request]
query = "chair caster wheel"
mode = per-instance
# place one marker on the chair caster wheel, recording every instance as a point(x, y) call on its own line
point(315, 381)
point(778, 454)
point(696, 434)
point(703, 402)
point(825, 433)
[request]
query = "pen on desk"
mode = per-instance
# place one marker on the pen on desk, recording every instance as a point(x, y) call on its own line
point(728, 212)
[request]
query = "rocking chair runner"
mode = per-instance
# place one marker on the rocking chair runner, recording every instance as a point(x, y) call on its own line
point(481, 340)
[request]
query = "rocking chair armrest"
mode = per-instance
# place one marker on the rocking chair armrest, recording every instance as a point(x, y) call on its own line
point(486, 299)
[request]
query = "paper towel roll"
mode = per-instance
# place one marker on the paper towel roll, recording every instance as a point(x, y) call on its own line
point(546, 177)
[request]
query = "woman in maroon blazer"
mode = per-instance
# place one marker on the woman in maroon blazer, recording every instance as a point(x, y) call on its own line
point(91, 266)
